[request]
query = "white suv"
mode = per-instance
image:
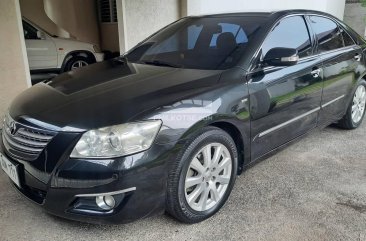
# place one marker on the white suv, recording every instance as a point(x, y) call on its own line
point(51, 53)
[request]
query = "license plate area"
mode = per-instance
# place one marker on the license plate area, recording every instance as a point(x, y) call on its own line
point(11, 169)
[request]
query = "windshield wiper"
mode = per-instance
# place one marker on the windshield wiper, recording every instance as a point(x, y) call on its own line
point(160, 63)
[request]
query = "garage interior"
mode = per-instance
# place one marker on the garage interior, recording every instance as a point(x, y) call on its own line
point(317, 195)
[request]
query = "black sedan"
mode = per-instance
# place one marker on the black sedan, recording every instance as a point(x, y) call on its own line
point(169, 125)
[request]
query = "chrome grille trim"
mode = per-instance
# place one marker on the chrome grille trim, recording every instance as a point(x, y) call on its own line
point(24, 142)
point(31, 134)
point(20, 147)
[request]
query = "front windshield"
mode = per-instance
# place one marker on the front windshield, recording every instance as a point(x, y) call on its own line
point(199, 43)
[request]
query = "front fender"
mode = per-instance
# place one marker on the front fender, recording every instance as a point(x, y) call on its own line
point(227, 108)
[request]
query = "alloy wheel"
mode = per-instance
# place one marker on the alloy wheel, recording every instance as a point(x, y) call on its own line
point(358, 105)
point(208, 177)
point(78, 64)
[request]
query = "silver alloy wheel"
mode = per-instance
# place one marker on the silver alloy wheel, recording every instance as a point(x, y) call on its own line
point(208, 177)
point(78, 64)
point(358, 105)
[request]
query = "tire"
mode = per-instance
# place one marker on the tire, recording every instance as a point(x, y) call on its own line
point(177, 204)
point(70, 64)
point(349, 121)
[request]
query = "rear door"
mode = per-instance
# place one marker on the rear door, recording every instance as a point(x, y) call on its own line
point(284, 101)
point(341, 59)
point(41, 53)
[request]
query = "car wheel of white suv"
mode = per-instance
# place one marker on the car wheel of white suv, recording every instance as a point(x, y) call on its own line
point(76, 62)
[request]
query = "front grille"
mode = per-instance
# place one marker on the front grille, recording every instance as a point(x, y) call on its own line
point(24, 142)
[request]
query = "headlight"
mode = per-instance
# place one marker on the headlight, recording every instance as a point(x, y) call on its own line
point(96, 49)
point(118, 140)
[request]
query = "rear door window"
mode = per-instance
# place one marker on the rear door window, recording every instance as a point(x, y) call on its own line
point(327, 32)
point(348, 41)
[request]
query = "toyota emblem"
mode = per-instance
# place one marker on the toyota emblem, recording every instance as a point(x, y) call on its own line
point(12, 128)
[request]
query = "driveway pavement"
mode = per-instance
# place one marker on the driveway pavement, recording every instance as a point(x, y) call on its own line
point(313, 190)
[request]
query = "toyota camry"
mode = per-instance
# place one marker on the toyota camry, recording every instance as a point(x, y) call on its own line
point(169, 125)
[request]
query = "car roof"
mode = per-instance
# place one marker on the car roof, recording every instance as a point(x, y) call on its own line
point(274, 14)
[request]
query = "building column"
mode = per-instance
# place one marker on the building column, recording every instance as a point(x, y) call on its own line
point(122, 33)
point(14, 68)
point(183, 8)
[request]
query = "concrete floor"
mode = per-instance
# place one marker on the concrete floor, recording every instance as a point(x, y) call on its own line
point(313, 190)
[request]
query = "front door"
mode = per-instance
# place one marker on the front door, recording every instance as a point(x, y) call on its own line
point(41, 53)
point(284, 101)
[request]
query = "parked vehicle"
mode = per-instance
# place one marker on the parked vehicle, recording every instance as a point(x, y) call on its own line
point(169, 125)
point(51, 53)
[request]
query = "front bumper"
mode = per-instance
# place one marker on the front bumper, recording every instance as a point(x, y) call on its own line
point(139, 181)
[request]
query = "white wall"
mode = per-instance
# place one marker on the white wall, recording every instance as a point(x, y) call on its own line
point(78, 17)
point(143, 18)
point(34, 11)
point(336, 7)
point(198, 7)
point(14, 70)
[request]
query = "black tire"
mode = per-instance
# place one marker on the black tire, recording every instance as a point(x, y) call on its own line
point(73, 60)
point(176, 204)
point(347, 122)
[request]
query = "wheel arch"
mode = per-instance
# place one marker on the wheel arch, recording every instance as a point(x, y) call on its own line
point(83, 53)
point(362, 77)
point(238, 129)
point(235, 133)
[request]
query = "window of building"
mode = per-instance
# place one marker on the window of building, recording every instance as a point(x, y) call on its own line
point(107, 11)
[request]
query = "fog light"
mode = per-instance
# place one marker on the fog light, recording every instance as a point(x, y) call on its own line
point(105, 202)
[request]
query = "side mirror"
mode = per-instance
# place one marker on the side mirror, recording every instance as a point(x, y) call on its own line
point(281, 57)
point(41, 35)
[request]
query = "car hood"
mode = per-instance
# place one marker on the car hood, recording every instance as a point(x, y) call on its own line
point(107, 93)
point(72, 44)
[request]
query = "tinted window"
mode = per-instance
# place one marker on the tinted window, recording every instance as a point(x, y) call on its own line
point(327, 32)
point(290, 32)
point(234, 29)
point(199, 43)
point(193, 34)
point(348, 41)
point(29, 31)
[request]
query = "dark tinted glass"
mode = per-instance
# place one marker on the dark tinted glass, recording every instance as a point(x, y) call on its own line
point(290, 32)
point(29, 31)
point(327, 32)
point(234, 29)
point(199, 43)
point(348, 41)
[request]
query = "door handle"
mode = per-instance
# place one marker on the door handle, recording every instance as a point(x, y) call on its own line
point(316, 72)
point(358, 57)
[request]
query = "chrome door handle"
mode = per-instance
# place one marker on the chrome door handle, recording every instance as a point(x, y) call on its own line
point(316, 73)
point(358, 57)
